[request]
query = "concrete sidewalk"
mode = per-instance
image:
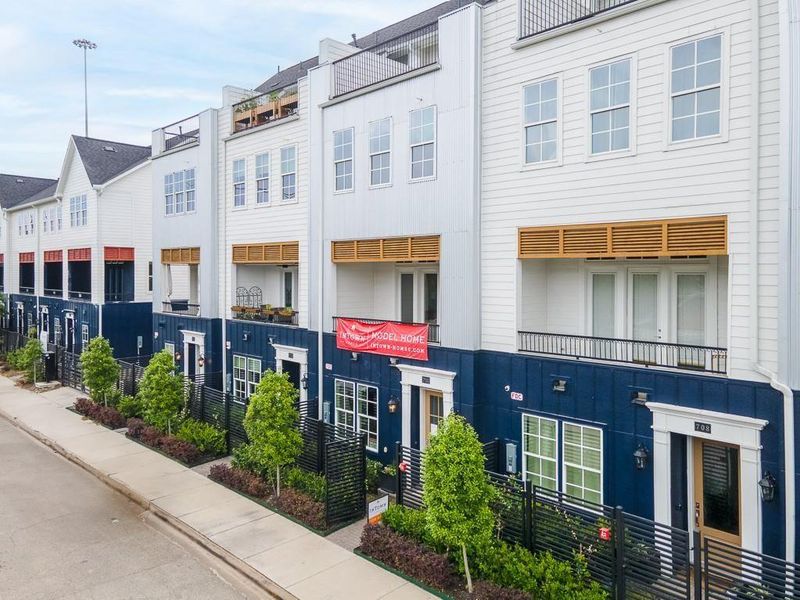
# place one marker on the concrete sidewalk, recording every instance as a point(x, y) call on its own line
point(284, 558)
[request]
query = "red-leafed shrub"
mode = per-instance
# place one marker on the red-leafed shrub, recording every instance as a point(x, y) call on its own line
point(84, 406)
point(183, 451)
point(135, 427)
point(151, 436)
point(302, 507)
point(106, 415)
point(241, 480)
point(409, 556)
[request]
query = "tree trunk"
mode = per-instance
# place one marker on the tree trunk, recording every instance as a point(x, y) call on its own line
point(278, 482)
point(466, 567)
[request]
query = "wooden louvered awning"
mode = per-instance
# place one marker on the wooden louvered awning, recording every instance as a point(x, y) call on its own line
point(274, 253)
point(53, 256)
point(700, 236)
point(118, 254)
point(180, 256)
point(400, 249)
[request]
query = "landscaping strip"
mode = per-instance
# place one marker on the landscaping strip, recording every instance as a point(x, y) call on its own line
point(167, 445)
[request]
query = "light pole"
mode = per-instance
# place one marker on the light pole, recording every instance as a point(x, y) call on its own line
point(86, 45)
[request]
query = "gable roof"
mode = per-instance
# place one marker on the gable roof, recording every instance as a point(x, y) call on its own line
point(104, 159)
point(292, 74)
point(16, 189)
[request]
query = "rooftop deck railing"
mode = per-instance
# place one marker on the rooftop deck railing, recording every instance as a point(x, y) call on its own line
point(265, 108)
point(398, 56)
point(181, 133)
point(681, 356)
point(433, 328)
point(181, 307)
point(539, 16)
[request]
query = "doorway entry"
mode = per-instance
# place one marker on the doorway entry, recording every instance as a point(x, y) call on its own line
point(717, 491)
point(69, 332)
point(21, 318)
point(433, 414)
point(44, 326)
point(294, 361)
point(194, 344)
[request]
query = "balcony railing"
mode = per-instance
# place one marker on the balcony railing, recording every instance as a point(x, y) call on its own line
point(680, 356)
point(119, 296)
point(265, 314)
point(265, 108)
point(80, 295)
point(433, 328)
point(24, 289)
point(53, 292)
point(538, 16)
point(181, 307)
point(186, 131)
point(398, 56)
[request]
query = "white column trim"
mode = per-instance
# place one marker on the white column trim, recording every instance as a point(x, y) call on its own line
point(199, 339)
point(424, 378)
point(293, 354)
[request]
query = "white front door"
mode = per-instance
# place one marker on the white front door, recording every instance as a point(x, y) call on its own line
point(44, 326)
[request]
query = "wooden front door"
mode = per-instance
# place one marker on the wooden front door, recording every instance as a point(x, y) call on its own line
point(433, 413)
point(717, 491)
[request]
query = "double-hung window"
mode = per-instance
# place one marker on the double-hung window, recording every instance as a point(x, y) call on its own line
point(356, 406)
point(343, 159)
point(253, 375)
point(422, 140)
point(179, 192)
point(58, 216)
point(84, 336)
point(45, 219)
point(180, 198)
point(262, 178)
point(609, 106)
point(78, 211)
point(239, 174)
point(169, 194)
point(583, 462)
point(696, 89)
point(57, 331)
point(540, 451)
point(380, 152)
point(246, 376)
point(289, 173)
point(540, 106)
point(189, 186)
point(170, 347)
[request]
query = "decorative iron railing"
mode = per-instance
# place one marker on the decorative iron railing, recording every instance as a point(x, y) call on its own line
point(680, 356)
point(80, 294)
point(181, 307)
point(433, 328)
point(53, 292)
point(26, 289)
point(265, 108)
point(266, 314)
point(539, 16)
point(398, 56)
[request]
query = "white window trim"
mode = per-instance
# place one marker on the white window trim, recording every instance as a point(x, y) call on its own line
point(84, 336)
point(268, 178)
point(185, 193)
point(352, 160)
point(337, 410)
point(435, 143)
point(419, 292)
point(563, 463)
point(356, 413)
point(296, 198)
point(370, 154)
point(170, 347)
point(724, 84)
point(558, 160)
point(555, 460)
point(632, 99)
point(234, 183)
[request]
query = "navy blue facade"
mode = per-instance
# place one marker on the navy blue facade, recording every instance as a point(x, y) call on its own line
point(84, 313)
point(169, 328)
point(124, 323)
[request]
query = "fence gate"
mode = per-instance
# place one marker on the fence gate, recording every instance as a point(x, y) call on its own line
point(346, 471)
point(71, 372)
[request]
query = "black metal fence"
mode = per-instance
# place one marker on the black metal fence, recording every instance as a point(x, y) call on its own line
point(398, 56)
point(538, 16)
point(682, 356)
point(10, 341)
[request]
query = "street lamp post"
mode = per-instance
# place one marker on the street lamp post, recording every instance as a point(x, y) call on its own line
point(85, 45)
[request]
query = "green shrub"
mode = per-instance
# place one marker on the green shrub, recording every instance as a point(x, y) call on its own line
point(161, 393)
point(374, 469)
point(312, 484)
point(130, 406)
point(247, 458)
point(207, 438)
point(408, 522)
point(100, 370)
point(13, 358)
point(30, 359)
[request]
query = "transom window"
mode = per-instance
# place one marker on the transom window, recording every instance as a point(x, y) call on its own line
point(540, 105)
point(357, 409)
point(239, 174)
point(583, 462)
point(78, 211)
point(343, 159)
point(246, 376)
point(539, 451)
point(695, 88)
point(610, 106)
point(422, 139)
point(380, 152)
point(262, 178)
point(289, 173)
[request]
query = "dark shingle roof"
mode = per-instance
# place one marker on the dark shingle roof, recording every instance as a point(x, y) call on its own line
point(15, 189)
point(104, 159)
point(291, 74)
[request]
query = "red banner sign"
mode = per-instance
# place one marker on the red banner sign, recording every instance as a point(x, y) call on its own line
point(391, 339)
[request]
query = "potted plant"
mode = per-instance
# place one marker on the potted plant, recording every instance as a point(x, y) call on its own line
point(388, 479)
point(284, 315)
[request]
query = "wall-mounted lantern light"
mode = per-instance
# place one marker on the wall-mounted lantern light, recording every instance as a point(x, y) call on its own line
point(639, 398)
point(201, 361)
point(767, 485)
point(393, 405)
point(246, 336)
point(304, 381)
point(559, 385)
point(155, 335)
point(354, 356)
point(393, 360)
point(640, 457)
point(178, 356)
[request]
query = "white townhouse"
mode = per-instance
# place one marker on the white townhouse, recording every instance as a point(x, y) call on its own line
point(630, 257)
point(78, 252)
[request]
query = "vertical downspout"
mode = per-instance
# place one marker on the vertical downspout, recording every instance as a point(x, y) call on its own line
point(321, 260)
point(223, 310)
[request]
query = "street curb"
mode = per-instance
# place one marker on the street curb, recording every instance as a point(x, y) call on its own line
point(253, 576)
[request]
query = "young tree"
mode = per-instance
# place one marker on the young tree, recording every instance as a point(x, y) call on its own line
point(29, 358)
point(456, 490)
point(271, 423)
point(161, 392)
point(100, 370)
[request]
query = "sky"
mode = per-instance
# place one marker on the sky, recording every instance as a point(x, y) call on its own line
point(157, 61)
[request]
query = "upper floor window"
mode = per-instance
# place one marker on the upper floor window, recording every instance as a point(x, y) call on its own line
point(380, 152)
point(343, 159)
point(169, 194)
point(239, 174)
point(422, 139)
point(289, 173)
point(179, 190)
point(540, 104)
point(58, 216)
point(189, 185)
point(262, 178)
point(695, 88)
point(51, 219)
point(45, 220)
point(78, 211)
point(610, 100)
point(26, 224)
point(180, 195)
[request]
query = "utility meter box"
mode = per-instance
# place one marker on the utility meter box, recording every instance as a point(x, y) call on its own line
point(511, 458)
